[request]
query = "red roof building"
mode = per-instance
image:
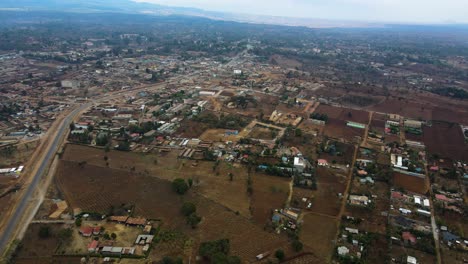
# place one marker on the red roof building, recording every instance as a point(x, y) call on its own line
point(443, 198)
point(408, 238)
point(398, 195)
point(86, 231)
point(92, 247)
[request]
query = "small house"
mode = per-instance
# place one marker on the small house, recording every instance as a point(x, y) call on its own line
point(343, 251)
point(408, 238)
point(92, 247)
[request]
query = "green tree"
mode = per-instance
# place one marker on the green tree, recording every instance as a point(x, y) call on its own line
point(113, 236)
point(298, 132)
point(188, 208)
point(180, 186)
point(279, 254)
point(297, 245)
point(44, 232)
point(193, 220)
point(78, 221)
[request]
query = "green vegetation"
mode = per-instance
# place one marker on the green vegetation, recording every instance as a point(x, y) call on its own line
point(452, 92)
point(279, 254)
point(44, 232)
point(318, 116)
point(188, 208)
point(218, 252)
point(224, 121)
point(180, 186)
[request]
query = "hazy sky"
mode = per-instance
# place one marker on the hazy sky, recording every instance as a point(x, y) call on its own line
point(424, 11)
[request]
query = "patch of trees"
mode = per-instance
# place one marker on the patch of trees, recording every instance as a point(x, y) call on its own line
point(102, 139)
point(452, 92)
point(180, 186)
point(217, 252)
point(318, 116)
point(169, 260)
point(123, 146)
point(189, 210)
point(224, 121)
point(83, 138)
point(359, 100)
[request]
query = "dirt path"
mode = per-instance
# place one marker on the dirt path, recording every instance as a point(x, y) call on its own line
point(291, 185)
point(345, 197)
point(364, 141)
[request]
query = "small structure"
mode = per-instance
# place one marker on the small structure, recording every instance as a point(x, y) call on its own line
point(411, 260)
point(136, 221)
point(92, 247)
point(343, 251)
point(359, 200)
point(408, 238)
point(144, 239)
point(322, 162)
point(88, 231)
point(147, 229)
point(299, 164)
point(118, 219)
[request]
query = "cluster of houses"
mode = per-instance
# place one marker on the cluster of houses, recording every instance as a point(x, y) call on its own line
point(107, 248)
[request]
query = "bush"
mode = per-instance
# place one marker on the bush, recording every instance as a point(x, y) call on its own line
point(297, 245)
point(193, 220)
point(180, 186)
point(210, 248)
point(44, 232)
point(279, 254)
point(78, 222)
point(188, 208)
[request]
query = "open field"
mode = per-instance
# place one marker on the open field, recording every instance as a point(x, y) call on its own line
point(259, 132)
point(19, 155)
point(330, 183)
point(410, 183)
point(93, 188)
point(450, 256)
point(446, 140)
point(400, 253)
point(337, 128)
point(270, 193)
point(404, 107)
point(192, 129)
point(209, 180)
point(345, 114)
point(218, 135)
point(317, 233)
point(37, 248)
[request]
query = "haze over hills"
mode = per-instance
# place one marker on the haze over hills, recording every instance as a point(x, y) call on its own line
point(128, 6)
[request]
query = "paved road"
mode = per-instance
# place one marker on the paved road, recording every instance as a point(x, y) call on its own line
point(14, 220)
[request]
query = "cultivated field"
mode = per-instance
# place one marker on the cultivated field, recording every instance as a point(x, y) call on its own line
point(97, 188)
point(446, 140)
point(330, 182)
point(410, 183)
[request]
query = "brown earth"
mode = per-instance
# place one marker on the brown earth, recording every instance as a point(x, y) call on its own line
point(446, 140)
point(410, 183)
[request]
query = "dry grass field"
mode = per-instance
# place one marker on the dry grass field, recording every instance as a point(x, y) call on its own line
point(317, 233)
point(94, 187)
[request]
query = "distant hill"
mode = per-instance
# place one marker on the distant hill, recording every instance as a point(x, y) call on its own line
point(128, 6)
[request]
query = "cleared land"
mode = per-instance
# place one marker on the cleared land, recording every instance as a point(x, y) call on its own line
point(410, 183)
point(317, 233)
point(97, 188)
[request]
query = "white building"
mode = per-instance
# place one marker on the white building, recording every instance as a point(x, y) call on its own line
point(299, 164)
